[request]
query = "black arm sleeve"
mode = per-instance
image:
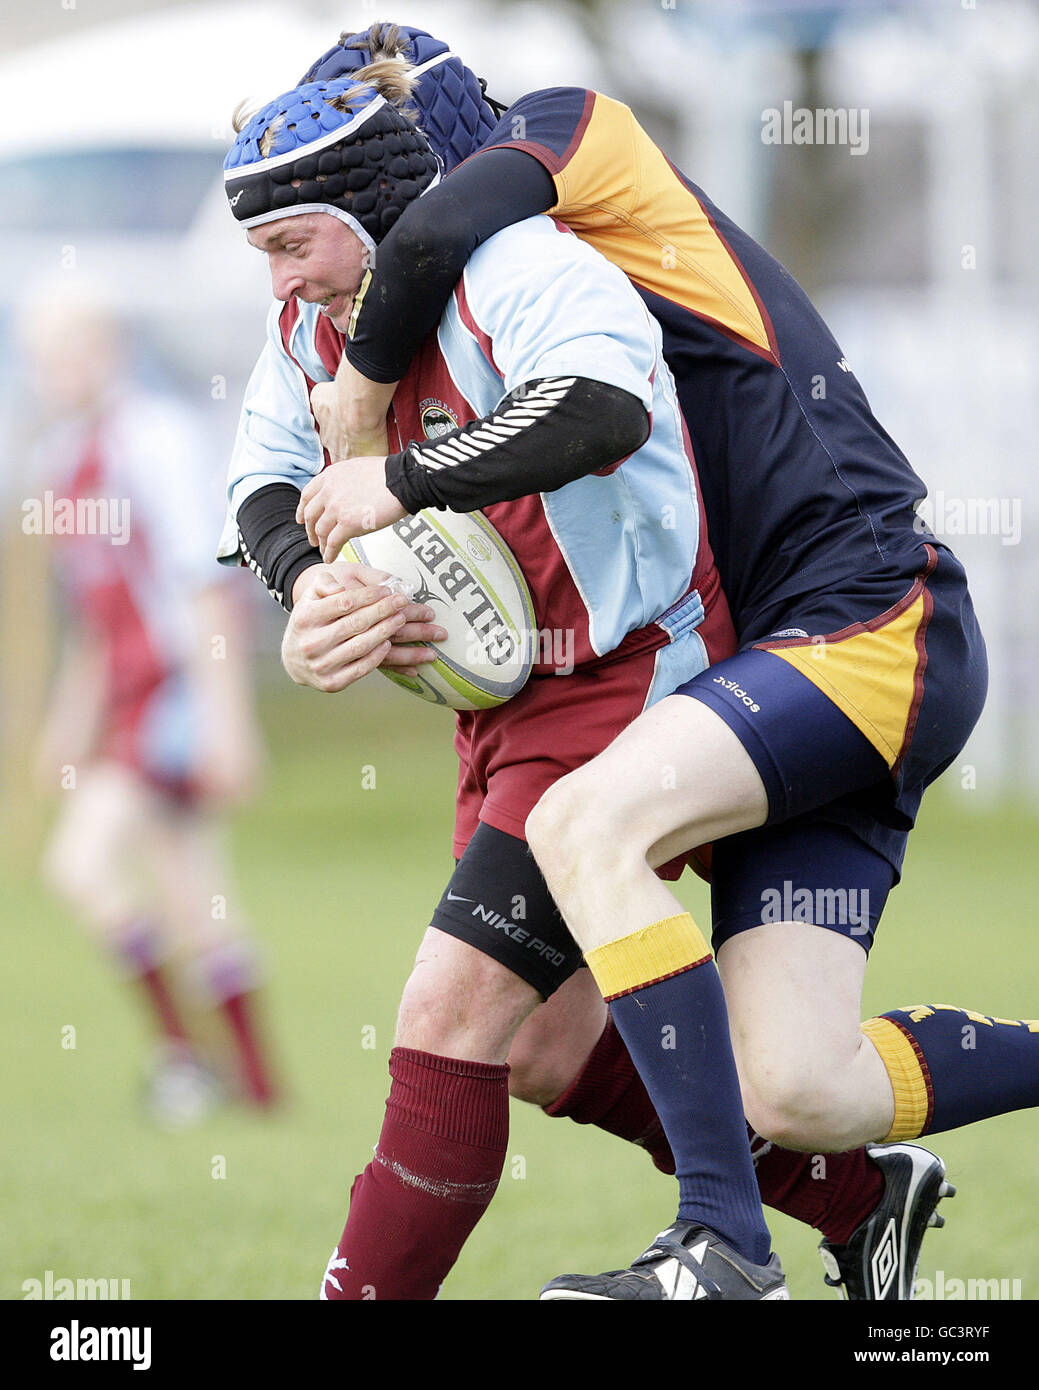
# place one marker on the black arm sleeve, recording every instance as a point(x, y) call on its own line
point(274, 545)
point(424, 253)
point(543, 435)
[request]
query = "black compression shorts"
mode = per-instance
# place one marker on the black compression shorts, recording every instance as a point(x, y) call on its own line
point(498, 902)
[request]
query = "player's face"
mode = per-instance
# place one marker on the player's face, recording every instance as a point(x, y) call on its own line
point(315, 257)
point(72, 354)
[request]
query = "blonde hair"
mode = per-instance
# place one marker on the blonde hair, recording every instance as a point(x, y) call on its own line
point(381, 40)
point(389, 75)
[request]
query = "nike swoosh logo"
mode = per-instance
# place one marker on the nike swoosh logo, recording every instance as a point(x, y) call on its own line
point(454, 898)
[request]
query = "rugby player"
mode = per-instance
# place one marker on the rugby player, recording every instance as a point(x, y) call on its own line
point(810, 749)
point(163, 738)
point(528, 316)
point(325, 648)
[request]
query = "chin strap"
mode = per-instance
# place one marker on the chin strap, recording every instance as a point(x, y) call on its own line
point(498, 107)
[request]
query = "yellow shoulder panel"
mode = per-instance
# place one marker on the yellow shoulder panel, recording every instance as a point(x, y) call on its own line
point(620, 194)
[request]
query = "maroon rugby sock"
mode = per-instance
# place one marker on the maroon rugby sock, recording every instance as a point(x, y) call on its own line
point(160, 999)
point(833, 1192)
point(137, 950)
point(436, 1168)
point(608, 1092)
point(256, 1079)
point(229, 977)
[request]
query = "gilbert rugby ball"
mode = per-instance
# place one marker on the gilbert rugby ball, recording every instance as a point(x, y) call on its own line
point(460, 566)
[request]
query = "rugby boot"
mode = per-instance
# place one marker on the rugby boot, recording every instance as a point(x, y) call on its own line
point(879, 1262)
point(685, 1262)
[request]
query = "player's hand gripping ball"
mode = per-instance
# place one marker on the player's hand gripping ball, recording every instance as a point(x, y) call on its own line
point(461, 568)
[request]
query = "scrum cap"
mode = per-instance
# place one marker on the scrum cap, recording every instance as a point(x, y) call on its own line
point(336, 147)
point(452, 108)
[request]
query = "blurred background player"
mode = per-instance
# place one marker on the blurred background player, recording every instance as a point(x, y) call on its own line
point(150, 733)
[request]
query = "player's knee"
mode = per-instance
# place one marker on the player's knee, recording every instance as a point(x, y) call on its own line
point(792, 1110)
point(571, 831)
point(542, 1064)
point(527, 1064)
point(468, 1009)
point(549, 823)
point(429, 1022)
point(533, 1078)
point(552, 1047)
point(72, 875)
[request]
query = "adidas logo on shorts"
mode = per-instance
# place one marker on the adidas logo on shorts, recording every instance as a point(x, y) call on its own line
point(736, 689)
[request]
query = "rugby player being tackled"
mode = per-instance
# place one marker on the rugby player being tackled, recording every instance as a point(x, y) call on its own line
point(860, 674)
point(533, 308)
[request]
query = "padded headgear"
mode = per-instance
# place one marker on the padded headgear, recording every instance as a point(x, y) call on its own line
point(453, 111)
point(363, 164)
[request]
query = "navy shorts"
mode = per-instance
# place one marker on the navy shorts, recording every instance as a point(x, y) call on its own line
point(847, 716)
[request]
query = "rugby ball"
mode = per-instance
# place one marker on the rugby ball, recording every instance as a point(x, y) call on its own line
point(459, 566)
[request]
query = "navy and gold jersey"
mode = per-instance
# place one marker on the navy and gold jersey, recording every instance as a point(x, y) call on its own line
point(804, 490)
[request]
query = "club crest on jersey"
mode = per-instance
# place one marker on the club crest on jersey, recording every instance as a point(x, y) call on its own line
point(436, 419)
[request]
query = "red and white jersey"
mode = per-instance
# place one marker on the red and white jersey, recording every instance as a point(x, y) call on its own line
point(131, 507)
point(619, 559)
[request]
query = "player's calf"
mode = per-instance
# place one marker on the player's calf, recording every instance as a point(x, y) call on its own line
point(461, 1003)
point(809, 1079)
point(553, 1044)
point(444, 1136)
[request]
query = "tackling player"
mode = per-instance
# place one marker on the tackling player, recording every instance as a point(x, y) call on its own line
point(750, 356)
point(834, 554)
point(321, 643)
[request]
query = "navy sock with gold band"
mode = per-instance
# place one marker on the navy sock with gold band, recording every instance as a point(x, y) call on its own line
point(666, 1000)
point(950, 1066)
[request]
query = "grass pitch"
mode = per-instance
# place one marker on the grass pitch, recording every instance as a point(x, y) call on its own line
point(339, 876)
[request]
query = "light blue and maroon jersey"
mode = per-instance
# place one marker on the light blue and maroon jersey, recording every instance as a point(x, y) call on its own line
point(804, 490)
point(619, 559)
point(131, 558)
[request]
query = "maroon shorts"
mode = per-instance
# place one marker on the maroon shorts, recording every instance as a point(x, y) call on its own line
point(509, 756)
point(155, 732)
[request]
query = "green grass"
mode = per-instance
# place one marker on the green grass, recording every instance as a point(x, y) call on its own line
point(339, 881)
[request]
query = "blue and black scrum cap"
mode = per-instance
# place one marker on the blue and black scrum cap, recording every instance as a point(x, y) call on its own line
point(359, 159)
point(452, 108)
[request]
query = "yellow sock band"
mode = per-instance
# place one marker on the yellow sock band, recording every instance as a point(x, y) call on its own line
point(652, 953)
point(908, 1076)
